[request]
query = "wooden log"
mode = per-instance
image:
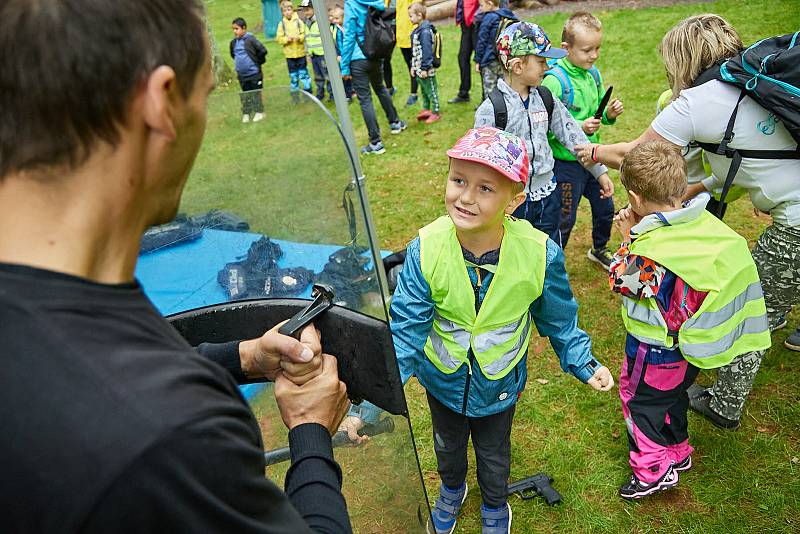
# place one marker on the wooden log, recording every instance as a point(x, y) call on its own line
point(442, 10)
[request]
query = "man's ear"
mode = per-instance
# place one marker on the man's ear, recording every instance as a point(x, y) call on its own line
point(161, 92)
point(515, 202)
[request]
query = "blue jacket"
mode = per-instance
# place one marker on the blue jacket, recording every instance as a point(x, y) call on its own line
point(355, 17)
point(424, 36)
point(485, 49)
point(555, 314)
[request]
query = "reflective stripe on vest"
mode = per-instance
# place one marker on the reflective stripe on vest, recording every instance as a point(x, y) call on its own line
point(710, 257)
point(499, 333)
point(314, 40)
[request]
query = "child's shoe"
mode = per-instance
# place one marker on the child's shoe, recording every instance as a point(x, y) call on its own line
point(446, 509)
point(412, 99)
point(700, 401)
point(258, 117)
point(397, 127)
point(683, 465)
point(424, 114)
point(245, 118)
point(433, 117)
point(601, 256)
point(636, 489)
point(782, 322)
point(373, 148)
point(496, 520)
point(793, 341)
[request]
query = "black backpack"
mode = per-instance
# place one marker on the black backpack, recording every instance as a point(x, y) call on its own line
point(501, 112)
point(379, 36)
point(769, 73)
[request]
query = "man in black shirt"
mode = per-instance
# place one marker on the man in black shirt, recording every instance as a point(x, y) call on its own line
point(111, 421)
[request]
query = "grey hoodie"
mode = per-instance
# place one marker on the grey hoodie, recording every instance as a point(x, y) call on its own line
point(531, 126)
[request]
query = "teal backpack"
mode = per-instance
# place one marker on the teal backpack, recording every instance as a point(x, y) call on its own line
point(567, 91)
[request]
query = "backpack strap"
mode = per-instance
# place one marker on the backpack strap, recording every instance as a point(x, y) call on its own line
point(596, 75)
point(500, 109)
point(547, 98)
point(567, 94)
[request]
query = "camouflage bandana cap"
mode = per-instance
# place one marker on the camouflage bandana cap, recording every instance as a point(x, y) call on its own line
point(525, 39)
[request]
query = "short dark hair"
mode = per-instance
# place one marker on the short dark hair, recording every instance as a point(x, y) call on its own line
point(64, 89)
point(239, 21)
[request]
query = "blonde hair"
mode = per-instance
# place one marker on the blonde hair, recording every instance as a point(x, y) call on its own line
point(656, 171)
point(418, 9)
point(694, 45)
point(582, 19)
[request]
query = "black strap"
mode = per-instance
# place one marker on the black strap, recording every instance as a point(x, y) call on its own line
point(350, 212)
point(500, 110)
point(547, 98)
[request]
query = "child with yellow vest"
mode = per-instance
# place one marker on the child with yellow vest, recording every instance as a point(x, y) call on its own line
point(291, 34)
point(473, 285)
point(315, 51)
point(691, 299)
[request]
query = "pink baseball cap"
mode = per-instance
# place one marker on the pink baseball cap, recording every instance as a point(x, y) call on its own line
point(498, 149)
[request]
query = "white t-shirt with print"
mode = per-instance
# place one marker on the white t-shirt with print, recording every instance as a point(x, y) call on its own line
point(701, 114)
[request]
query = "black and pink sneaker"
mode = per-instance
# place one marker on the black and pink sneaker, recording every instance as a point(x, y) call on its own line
point(636, 489)
point(683, 465)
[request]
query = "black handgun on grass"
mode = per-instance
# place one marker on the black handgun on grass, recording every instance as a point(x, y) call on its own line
point(339, 439)
point(539, 485)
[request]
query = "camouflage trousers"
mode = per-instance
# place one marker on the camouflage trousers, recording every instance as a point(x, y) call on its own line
point(489, 76)
point(777, 256)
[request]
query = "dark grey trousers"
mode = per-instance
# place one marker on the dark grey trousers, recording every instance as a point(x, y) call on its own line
point(366, 73)
point(491, 439)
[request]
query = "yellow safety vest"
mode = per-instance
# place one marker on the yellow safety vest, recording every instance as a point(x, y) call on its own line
point(710, 257)
point(314, 40)
point(499, 334)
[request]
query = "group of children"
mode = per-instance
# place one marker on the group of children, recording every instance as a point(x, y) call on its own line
point(475, 280)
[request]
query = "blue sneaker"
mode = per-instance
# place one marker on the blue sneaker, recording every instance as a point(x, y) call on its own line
point(397, 127)
point(412, 99)
point(373, 148)
point(496, 520)
point(446, 509)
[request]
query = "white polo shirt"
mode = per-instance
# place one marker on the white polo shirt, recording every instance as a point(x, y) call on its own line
point(701, 114)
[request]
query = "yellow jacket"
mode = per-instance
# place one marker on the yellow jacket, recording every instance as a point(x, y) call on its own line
point(293, 27)
point(404, 26)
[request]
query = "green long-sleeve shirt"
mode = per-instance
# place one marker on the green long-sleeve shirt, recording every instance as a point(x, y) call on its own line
point(586, 99)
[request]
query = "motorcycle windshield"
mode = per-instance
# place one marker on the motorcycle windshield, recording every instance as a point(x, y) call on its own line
point(272, 206)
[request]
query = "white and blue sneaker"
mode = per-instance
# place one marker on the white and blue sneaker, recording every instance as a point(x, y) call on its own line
point(397, 127)
point(445, 511)
point(496, 520)
point(373, 148)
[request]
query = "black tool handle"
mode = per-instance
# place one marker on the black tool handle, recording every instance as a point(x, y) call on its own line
point(323, 301)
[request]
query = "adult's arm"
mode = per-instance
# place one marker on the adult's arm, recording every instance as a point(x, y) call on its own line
point(349, 41)
point(208, 476)
point(611, 155)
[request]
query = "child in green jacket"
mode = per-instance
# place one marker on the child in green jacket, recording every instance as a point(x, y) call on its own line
point(577, 82)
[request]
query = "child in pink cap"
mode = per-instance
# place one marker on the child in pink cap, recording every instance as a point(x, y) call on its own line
point(473, 285)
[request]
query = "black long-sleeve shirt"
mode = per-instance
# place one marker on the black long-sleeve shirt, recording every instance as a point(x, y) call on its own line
point(113, 423)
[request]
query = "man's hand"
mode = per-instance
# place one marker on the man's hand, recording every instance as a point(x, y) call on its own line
point(602, 379)
point(614, 109)
point(606, 186)
point(625, 220)
point(322, 400)
point(272, 353)
point(591, 125)
point(352, 424)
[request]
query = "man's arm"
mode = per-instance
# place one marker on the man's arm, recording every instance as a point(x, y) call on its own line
point(349, 41)
point(208, 476)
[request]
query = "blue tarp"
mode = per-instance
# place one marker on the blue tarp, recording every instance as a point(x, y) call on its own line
point(184, 277)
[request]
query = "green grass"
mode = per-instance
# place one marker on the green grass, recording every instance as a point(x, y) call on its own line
point(742, 481)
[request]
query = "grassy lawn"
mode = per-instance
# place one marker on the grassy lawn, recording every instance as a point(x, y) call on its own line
point(741, 481)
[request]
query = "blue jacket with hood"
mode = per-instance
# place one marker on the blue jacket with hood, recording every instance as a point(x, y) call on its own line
point(485, 50)
point(355, 17)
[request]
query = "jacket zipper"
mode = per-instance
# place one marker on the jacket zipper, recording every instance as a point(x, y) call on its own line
point(470, 355)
